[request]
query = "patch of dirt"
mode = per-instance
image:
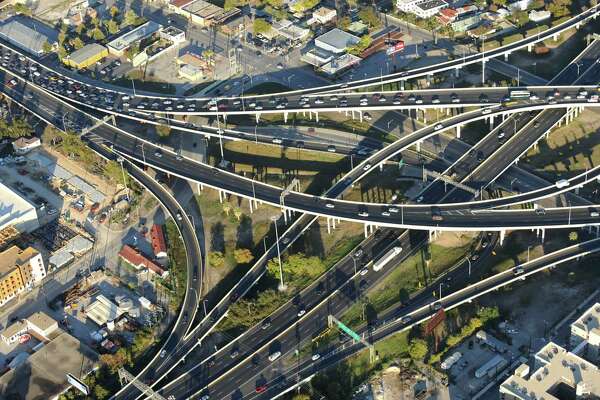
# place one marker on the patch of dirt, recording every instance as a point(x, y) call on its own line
point(455, 239)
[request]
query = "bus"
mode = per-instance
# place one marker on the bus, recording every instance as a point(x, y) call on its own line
point(387, 257)
point(519, 94)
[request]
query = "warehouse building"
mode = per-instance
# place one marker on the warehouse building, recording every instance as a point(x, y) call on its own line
point(28, 34)
point(16, 211)
point(121, 44)
point(86, 56)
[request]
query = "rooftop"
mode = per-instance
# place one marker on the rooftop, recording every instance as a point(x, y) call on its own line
point(138, 260)
point(430, 4)
point(589, 320)
point(43, 374)
point(14, 256)
point(561, 374)
point(14, 328)
point(41, 320)
point(338, 39)
point(27, 33)
point(139, 33)
point(102, 310)
point(24, 142)
point(202, 8)
point(158, 239)
point(86, 52)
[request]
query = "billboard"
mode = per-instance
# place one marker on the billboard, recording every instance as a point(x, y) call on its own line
point(393, 49)
point(435, 321)
point(77, 384)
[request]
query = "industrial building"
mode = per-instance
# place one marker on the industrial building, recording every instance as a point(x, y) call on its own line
point(19, 270)
point(158, 241)
point(16, 211)
point(28, 34)
point(202, 12)
point(86, 56)
point(102, 311)
point(121, 44)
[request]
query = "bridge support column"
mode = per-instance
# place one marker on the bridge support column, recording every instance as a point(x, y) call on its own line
point(328, 225)
point(457, 72)
point(317, 116)
point(418, 146)
point(360, 116)
point(430, 236)
point(503, 117)
point(220, 196)
point(285, 116)
point(483, 71)
point(506, 56)
point(543, 234)
point(250, 201)
point(458, 131)
point(352, 114)
point(555, 37)
point(502, 233)
point(402, 85)
point(284, 212)
point(371, 229)
point(200, 187)
point(424, 117)
point(529, 47)
point(333, 223)
point(447, 111)
point(366, 231)
point(257, 118)
point(577, 190)
point(381, 166)
point(597, 230)
point(491, 122)
point(310, 115)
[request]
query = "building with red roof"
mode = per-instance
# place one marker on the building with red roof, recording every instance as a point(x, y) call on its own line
point(138, 261)
point(158, 241)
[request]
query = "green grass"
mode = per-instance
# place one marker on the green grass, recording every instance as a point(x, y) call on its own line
point(405, 279)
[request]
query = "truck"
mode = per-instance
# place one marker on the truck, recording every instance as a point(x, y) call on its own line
point(387, 257)
point(490, 368)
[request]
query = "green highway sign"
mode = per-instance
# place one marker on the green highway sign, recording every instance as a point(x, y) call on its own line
point(348, 331)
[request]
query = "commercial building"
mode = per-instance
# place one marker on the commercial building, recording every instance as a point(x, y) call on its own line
point(138, 261)
point(43, 374)
point(28, 34)
point(19, 270)
point(336, 41)
point(539, 16)
point(585, 333)
point(460, 19)
point(13, 332)
point(158, 241)
point(86, 56)
point(24, 145)
point(172, 34)
point(421, 8)
point(192, 67)
point(121, 44)
point(8, 235)
point(201, 12)
point(16, 211)
point(558, 374)
point(288, 30)
point(339, 64)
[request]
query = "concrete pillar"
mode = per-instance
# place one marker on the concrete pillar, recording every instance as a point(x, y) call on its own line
point(220, 196)
point(310, 115)
point(366, 232)
point(506, 56)
point(424, 117)
point(200, 187)
point(491, 122)
point(430, 235)
point(458, 131)
point(381, 166)
point(317, 116)
point(360, 116)
point(447, 111)
point(529, 47)
point(401, 85)
point(250, 201)
point(352, 114)
point(503, 117)
point(328, 226)
point(457, 72)
point(285, 116)
point(555, 37)
point(543, 234)
point(257, 118)
point(418, 146)
point(372, 228)
point(502, 233)
point(284, 215)
point(597, 230)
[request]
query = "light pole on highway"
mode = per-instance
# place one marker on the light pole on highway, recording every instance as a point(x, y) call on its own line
point(289, 79)
point(219, 130)
point(569, 203)
point(282, 286)
point(354, 261)
point(578, 64)
point(469, 261)
point(511, 183)
point(441, 283)
point(528, 247)
point(133, 86)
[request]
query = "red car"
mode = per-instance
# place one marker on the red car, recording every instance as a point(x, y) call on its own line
point(261, 389)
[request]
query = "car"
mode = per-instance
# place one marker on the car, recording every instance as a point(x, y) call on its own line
point(51, 211)
point(301, 312)
point(315, 357)
point(234, 354)
point(274, 356)
point(406, 320)
point(486, 111)
point(163, 353)
point(277, 141)
point(363, 214)
point(540, 211)
point(367, 167)
point(435, 99)
point(393, 210)
point(536, 124)
point(480, 156)
point(279, 66)
point(594, 213)
point(437, 306)
point(266, 324)
point(419, 199)
point(501, 134)
point(329, 205)
point(261, 389)
point(205, 397)
point(331, 148)
point(518, 270)
point(367, 116)
point(438, 127)
point(157, 154)
point(179, 216)
point(364, 271)
point(474, 257)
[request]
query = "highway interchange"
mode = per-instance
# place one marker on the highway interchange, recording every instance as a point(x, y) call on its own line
point(337, 290)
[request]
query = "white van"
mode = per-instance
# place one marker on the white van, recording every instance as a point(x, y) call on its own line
point(274, 356)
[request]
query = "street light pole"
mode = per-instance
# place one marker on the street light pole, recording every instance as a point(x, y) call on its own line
point(469, 261)
point(282, 286)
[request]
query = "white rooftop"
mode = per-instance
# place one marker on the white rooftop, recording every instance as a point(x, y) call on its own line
point(559, 370)
point(16, 210)
point(139, 33)
point(590, 320)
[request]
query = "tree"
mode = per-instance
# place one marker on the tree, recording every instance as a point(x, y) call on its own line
point(131, 18)
point(163, 130)
point(344, 22)
point(21, 8)
point(216, 259)
point(361, 46)
point(77, 43)
point(417, 349)
point(112, 27)
point(559, 8)
point(243, 256)
point(573, 236)
point(296, 266)
point(115, 361)
point(521, 18)
point(17, 128)
point(301, 396)
point(226, 208)
point(369, 17)
point(237, 212)
point(100, 392)
point(303, 5)
point(47, 47)
point(499, 3)
point(97, 34)
point(208, 55)
point(261, 26)
point(114, 11)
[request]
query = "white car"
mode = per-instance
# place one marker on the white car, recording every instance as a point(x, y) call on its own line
point(163, 353)
point(301, 312)
point(364, 271)
point(438, 127)
point(315, 357)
